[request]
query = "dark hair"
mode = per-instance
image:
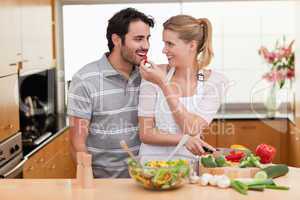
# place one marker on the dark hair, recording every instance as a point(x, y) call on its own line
point(119, 23)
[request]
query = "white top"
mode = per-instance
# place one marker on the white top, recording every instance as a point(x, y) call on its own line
point(205, 103)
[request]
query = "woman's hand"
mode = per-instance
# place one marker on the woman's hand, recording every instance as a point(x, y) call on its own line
point(195, 145)
point(155, 73)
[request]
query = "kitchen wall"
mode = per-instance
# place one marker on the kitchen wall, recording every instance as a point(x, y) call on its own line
point(239, 28)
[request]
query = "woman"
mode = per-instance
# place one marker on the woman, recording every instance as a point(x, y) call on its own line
point(181, 97)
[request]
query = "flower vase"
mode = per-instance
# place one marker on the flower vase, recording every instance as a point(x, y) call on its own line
point(272, 102)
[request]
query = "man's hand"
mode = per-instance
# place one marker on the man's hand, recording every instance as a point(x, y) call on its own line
point(154, 73)
point(195, 145)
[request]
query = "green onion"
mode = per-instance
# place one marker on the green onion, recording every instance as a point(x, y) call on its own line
point(239, 186)
point(257, 187)
point(277, 187)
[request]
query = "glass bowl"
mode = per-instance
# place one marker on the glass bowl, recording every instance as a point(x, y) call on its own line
point(158, 174)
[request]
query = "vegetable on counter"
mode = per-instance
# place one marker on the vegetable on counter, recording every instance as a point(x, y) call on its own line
point(208, 161)
point(250, 161)
point(221, 161)
point(239, 186)
point(242, 186)
point(211, 162)
point(222, 181)
point(159, 174)
point(275, 171)
point(235, 156)
point(265, 152)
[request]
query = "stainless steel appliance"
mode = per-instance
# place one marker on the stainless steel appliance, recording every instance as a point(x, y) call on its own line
point(11, 157)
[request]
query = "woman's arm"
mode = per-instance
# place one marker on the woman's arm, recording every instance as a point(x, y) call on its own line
point(151, 135)
point(188, 122)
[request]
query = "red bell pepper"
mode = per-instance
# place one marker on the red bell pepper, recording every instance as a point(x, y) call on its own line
point(145, 59)
point(266, 153)
point(235, 156)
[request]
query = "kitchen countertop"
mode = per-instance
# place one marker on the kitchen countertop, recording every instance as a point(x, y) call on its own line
point(116, 189)
point(232, 115)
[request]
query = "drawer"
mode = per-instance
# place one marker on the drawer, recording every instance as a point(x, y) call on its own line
point(251, 133)
point(9, 106)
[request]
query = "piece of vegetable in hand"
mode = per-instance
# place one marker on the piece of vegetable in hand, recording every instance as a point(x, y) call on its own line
point(145, 59)
point(266, 153)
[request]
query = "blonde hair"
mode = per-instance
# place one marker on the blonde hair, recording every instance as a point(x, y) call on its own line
point(189, 29)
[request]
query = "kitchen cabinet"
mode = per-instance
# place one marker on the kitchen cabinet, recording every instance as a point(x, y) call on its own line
point(52, 161)
point(26, 36)
point(37, 41)
point(10, 36)
point(251, 133)
point(293, 145)
point(210, 133)
point(9, 106)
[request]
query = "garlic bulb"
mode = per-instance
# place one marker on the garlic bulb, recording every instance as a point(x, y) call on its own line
point(223, 182)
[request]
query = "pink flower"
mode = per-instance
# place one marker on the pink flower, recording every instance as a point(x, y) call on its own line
point(290, 73)
point(281, 60)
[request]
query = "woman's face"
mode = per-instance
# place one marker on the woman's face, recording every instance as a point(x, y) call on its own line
point(178, 52)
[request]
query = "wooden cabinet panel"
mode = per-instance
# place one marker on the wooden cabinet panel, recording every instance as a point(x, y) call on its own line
point(9, 106)
point(52, 161)
point(26, 36)
point(210, 134)
point(37, 38)
point(10, 36)
point(251, 133)
point(293, 145)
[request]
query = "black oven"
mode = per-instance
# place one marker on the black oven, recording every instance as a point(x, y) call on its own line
point(38, 118)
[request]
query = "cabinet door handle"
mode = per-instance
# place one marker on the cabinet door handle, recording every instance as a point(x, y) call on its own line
point(248, 127)
point(9, 126)
point(13, 64)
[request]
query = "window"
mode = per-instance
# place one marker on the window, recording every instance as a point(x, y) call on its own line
point(239, 29)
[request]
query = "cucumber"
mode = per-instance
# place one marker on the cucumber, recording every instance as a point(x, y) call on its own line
point(208, 161)
point(276, 170)
point(220, 161)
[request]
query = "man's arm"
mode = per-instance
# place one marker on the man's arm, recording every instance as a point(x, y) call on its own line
point(78, 134)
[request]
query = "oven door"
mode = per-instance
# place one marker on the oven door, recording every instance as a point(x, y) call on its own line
point(13, 168)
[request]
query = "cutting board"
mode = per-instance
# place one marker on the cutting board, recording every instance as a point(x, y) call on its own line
point(231, 172)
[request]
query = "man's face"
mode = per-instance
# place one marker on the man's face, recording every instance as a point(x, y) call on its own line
point(136, 43)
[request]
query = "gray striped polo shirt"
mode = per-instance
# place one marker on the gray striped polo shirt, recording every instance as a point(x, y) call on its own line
point(103, 96)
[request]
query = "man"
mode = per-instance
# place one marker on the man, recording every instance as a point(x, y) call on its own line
point(103, 96)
